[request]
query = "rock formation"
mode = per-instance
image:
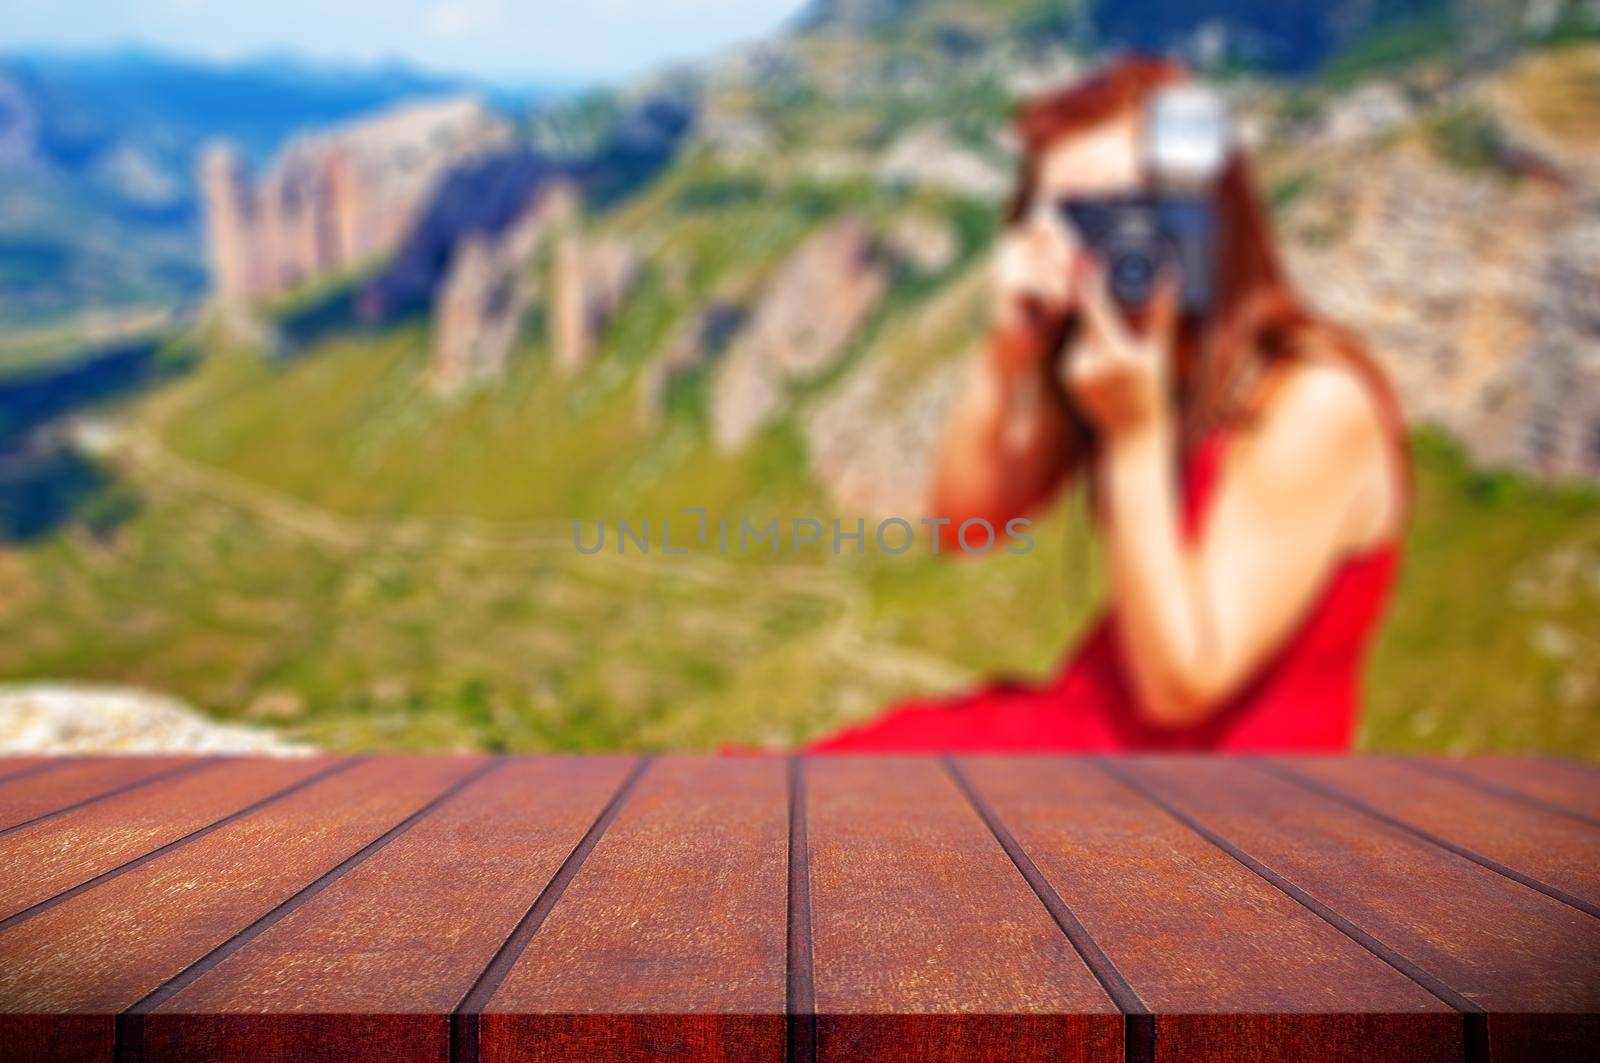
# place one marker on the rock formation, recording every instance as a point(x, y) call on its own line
point(929, 156)
point(705, 336)
point(1479, 293)
point(872, 440)
point(82, 718)
point(334, 201)
point(592, 278)
point(820, 298)
point(481, 198)
point(923, 242)
point(487, 292)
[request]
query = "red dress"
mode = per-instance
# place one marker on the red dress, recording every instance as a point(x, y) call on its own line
point(1303, 700)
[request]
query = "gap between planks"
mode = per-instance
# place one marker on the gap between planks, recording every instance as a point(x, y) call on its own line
point(465, 1018)
point(129, 1031)
point(194, 835)
point(50, 764)
point(1494, 789)
point(1474, 1018)
point(1139, 1024)
point(800, 1022)
point(116, 791)
point(1333, 793)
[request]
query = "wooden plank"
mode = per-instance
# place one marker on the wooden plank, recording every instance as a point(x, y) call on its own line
point(927, 942)
point(670, 940)
point(63, 852)
point(1231, 966)
point(1469, 932)
point(372, 966)
point(105, 949)
point(28, 797)
point(1552, 852)
point(1551, 783)
point(21, 767)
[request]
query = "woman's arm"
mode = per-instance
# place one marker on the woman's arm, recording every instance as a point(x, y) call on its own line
point(1006, 447)
point(1008, 444)
point(1308, 483)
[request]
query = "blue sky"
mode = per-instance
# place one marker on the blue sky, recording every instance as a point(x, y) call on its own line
point(512, 41)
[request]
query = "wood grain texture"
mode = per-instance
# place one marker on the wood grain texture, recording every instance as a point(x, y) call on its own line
point(65, 851)
point(32, 795)
point(927, 942)
point(1550, 783)
point(1230, 965)
point(986, 909)
point(372, 966)
point(1502, 947)
point(105, 949)
point(670, 942)
point(1554, 850)
point(20, 767)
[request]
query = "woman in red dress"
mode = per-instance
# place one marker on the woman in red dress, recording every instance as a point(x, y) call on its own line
point(1245, 462)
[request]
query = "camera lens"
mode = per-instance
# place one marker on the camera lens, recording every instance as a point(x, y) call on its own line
point(1132, 276)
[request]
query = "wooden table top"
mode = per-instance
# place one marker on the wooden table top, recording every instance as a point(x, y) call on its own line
point(549, 908)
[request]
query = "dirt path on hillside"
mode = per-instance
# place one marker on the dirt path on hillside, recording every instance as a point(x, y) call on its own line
point(848, 639)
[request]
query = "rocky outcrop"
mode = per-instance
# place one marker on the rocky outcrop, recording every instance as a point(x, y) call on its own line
point(592, 278)
point(1480, 295)
point(334, 200)
point(1372, 110)
point(804, 321)
point(480, 199)
point(872, 440)
point(873, 446)
point(80, 718)
point(487, 292)
point(701, 340)
point(930, 157)
point(923, 242)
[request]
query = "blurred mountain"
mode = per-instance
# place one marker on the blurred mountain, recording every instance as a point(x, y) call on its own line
point(1293, 37)
point(878, 129)
point(98, 185)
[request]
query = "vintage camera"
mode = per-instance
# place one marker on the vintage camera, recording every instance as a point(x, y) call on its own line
point(1140, 237)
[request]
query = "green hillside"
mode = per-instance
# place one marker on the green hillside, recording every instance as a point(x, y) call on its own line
point(323, 547)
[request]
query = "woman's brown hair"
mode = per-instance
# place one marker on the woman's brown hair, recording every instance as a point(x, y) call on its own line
point(1258, 317)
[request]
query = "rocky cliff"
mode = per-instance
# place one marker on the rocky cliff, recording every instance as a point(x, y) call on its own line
point(801, 326)
point(334, 201)
point(1449, 219)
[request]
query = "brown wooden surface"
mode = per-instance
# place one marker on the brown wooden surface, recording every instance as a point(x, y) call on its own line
point(1475, 938)
point(676, 920)
point(407, 931)
point(30, 796)
point(21, 767)
point(1555, 851)
point(1200, 939)
point(1551, 784)
point(48, 858)
point(459, 909)
point(917, 911)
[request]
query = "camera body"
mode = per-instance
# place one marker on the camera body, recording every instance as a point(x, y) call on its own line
point(1172, 228)
point(1138, 239)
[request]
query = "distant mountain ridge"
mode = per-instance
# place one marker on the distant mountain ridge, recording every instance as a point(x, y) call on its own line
point(1285, 37)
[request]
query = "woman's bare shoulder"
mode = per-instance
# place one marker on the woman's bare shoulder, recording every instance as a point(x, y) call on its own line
point(1318, 405)
point(1321, 429)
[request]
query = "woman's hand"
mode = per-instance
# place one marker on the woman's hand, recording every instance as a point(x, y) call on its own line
point(1033, 284)
point(1119, 376)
